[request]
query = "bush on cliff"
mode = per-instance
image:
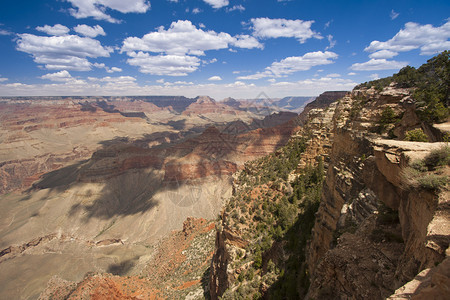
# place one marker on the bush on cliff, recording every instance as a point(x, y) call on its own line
point(416, 135)
point(431, 82)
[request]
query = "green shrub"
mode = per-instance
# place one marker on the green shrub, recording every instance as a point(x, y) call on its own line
point(388, 116)
point(431, 83)
point(419, 165)
point(416, 135)
point(438, 158)
point(432, 181)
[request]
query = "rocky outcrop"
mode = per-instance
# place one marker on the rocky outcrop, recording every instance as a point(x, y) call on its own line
point(174, 270)
point(371, 233)
point(323, 101)
point(205, 105)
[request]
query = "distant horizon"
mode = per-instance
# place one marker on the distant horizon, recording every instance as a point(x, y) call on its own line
point(219, 48)
point(118, 96)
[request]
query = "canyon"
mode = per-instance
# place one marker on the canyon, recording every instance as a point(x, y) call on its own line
point(357, 209)
point(77, 174)
point(178, 198)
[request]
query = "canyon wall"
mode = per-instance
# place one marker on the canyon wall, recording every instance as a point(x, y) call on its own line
point(376, 234)
point(372, 232)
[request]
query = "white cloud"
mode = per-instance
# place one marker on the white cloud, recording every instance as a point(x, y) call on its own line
point(89, 31)
point(351, 74)
point(97, 65)
point(57, 29)
point(117, 80)
point(378, 64)
point(430, 40)
point(183, 82)
point(97, 8)
point(108, 69)
point(3, 79)
point(127, 86)
point(246, 41)
point(294, 64)
point(393, 15)
point(333, 75)
point(171, 65)
point(331, 41)
point(215, 78)
point(217, 3)
point(5, 32)
point(236, 7)
point(196, 11)
point(383, 54)
point(68, 52)
point(317, 84)
point(374, 76)
point(61, 76)
point(327, 24)
point(276, 28)
point(114, 69)
point(181, 38)
point(178, 46)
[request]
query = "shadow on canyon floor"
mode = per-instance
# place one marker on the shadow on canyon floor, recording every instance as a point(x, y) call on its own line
point(123, 267)
point(130, 190)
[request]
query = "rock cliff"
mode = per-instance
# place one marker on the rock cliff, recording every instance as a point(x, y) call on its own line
point(372, 232)
point(378, 226)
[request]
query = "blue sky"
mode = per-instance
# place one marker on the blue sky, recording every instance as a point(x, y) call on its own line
point(219, 48)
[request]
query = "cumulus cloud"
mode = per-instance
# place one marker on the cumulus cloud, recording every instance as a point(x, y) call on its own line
point(3, 79)
point(383, 54)
point(61, 76)
point(97, 8)
point(117, 80)
point(114, 69)
point(89, 31)
point(378, 64)
point(215, 78)
point(57, 29)
point(294, 64)
point(196, 10)
point(108, 69)
point(236, 7)
point(67, 52)
point(276, 28)
point(182, 37)
point(317, 84)
point(182, 42)
point(333, 75)
point(246, 41)
point(429, 39)
point(217, 90)
point(217, 3)
point(172, 65)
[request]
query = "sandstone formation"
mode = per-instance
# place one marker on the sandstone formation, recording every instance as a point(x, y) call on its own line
point(205, 105)
point(323, 101)
point(377, 232)
point(353, 228)
point(113, 172)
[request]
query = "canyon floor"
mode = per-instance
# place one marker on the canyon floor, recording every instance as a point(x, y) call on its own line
point(94, 187)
